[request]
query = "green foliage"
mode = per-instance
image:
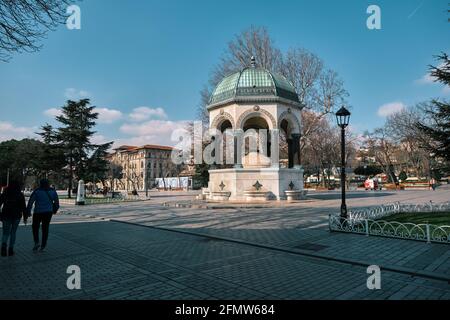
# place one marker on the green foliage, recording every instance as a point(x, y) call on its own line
point(201, 176)
point(22, 158)
point(74, 134)
point(437, 174)
point(442, 72)
point(65, 152)
point(403, 176)
point(70, 143)
point(439, 130)
point(97, 166)
point(436, 218)
point(368, 170)
point(52, 156)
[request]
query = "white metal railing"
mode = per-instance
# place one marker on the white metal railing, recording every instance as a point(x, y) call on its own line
point(377, 212)
point(369, 221)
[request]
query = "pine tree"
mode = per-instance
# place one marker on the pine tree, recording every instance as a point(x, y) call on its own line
point(82, 159)
point(439, 130)
point(442, 72)
point(97, 166)
point(201, 175)
point(403, 176)
point(51, 159)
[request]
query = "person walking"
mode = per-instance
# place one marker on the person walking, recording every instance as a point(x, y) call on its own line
point(13, 208)
point(433, 184)
point(46, 203)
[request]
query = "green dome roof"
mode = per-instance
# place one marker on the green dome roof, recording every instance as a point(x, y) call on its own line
point(253, 83)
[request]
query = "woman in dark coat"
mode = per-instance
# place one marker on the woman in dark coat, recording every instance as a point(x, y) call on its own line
point(13, 208)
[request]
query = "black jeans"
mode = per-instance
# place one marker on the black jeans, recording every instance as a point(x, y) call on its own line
point(45, 219)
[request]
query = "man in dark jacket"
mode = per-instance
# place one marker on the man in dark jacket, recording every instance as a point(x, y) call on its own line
point(12, 202)
point(46, 203)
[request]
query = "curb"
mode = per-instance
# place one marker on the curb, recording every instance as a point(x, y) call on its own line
point(219, 206)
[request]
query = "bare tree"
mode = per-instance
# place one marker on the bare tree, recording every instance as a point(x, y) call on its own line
point(202, 112)
point(253, 42)
point(303, 69)
point(24, 22)
point(331, 92)
point(322, 150)
point(320, 90)
point(115, 174)
point(383, 149)
point(134, 177)
point(401, 127)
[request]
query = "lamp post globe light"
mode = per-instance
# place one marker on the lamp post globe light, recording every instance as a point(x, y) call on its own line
point(343, 119)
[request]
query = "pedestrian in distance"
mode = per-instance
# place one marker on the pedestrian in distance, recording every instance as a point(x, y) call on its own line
point(433, 184)
point(46, 204)
point(13, 208)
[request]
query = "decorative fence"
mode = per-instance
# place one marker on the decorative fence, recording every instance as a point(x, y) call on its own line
point(369, 221)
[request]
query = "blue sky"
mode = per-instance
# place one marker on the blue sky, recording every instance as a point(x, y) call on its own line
point(143, 62)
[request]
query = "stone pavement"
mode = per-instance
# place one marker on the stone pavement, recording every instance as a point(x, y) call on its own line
point(122, 261)
point(260, 253)
point(303, 229)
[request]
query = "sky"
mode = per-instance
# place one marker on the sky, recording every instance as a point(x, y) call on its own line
point(143, 62)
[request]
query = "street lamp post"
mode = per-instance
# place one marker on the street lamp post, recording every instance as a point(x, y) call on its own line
point(343, 118)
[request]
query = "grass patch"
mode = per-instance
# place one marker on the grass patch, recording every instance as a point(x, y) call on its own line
point(99, 200)
point(435, 218)
point(386, 225)
point(74, 196)
point(411, 226)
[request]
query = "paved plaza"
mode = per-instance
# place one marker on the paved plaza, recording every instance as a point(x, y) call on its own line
point(144, 250)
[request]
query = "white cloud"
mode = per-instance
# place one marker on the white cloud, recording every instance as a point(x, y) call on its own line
point(146, 113)
point(145, 126)
point(429, 80)
point(152, 127)
point(150, 132)
point(106, 115)
point(426, 79)
point(390, 108)
point(10, 131)
point(53, 112)
point(75, 94)
point(99, 139)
